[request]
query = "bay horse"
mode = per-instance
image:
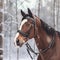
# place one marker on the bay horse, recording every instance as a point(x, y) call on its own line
point(47, 38)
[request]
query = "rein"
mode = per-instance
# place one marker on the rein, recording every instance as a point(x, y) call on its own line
point(30, 49)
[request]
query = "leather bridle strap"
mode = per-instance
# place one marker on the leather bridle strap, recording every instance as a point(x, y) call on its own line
point(50, 45)
point(24, 34)
point(30, 49)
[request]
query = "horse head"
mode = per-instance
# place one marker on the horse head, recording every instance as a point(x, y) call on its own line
point(27, 28)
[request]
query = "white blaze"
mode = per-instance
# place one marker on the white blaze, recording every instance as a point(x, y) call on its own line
point(22, 23)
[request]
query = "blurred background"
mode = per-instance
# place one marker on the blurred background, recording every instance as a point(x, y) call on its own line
point(10, 19)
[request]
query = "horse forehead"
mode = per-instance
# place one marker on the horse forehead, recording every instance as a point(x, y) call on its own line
point(22, 23)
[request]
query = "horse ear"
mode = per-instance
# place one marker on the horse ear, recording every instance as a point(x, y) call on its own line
point(22, 13)
point(30, 13)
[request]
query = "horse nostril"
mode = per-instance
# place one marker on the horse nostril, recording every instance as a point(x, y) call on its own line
point(17, 41)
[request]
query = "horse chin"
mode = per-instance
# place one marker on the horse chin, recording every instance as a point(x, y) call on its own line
point(18, 45)
point(21, 45)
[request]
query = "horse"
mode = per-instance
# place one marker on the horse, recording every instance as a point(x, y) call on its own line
point(47, 38)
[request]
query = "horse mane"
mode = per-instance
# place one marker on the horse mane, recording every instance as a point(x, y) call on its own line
point(48, 29)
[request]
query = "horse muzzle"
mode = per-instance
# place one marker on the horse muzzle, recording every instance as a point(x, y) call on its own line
point(20, 42)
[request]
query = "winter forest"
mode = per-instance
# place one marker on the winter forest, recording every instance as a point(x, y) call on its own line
point(10, 19)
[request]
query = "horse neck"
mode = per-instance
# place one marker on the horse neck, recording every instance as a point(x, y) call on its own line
point(42, 39)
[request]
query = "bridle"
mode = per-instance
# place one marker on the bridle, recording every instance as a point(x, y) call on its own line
point(28, 32)
point(27, 35)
